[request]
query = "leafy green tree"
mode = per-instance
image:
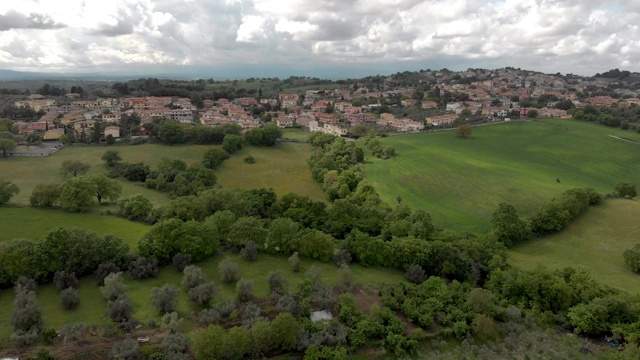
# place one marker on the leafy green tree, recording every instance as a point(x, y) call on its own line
point(7, 146)
point(463, 131)
point(169, 237)
point(135, 207)
point(533, 113)
point(209, 343)
point(113, 286)
point(285, 329)
point(176, 346)
point(202, 294)
point(244, 290)
point(170, 132)
point(77, 193)
point(228, 271)
point(232, 143)
point(74, 167)
point(214, 157)
point(106, 188)
point(508, 228)
point(282, 236)
point(247, 229)
point(7, 191)
point(111, 158)
point(632, 258)
point(127, 349)
point(625, 190)
point(45, 195)
point(193, 276)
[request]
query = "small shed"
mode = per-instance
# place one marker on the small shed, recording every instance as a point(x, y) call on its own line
point(321, 315)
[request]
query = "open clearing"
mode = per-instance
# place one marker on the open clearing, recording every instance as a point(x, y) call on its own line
point(283, 168)
point(460, 182)
point(595, 240)
point(92, 305)
point(34, 223)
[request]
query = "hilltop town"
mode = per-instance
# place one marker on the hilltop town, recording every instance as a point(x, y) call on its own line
point(403, 102)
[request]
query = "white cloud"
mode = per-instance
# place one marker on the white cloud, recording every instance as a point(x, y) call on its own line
point(547, 35)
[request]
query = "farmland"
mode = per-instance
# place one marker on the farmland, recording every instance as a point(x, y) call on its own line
point(595, 240)
point(460, 182)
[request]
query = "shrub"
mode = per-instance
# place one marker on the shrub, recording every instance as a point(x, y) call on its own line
point(172, 321)
point(250, 159)
point(176, 346)
point(181, 261)
point(25, 284)
point(244, 290)
point(104, 270)
point(64, 279)
point(250, 314)
point(142, 268)
point(342, 257)
point(346, 282)
point(72, 331)
point(70, 298)
point(113, 286)
point(416, 274)
point(25, 337)
point(202, 294)
point(277, 282)
point(228, 271)
point(164, 298)
point(625, 190)
point(193, 276)
point(323, 297)
point(120, 310)
point(287, 303)
point(127, 349)
point(209, 316)
point(632, 258)
point(294, 261)
point(250, 251)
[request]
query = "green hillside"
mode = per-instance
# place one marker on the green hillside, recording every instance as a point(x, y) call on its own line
point(460, 182)
point(595, 240)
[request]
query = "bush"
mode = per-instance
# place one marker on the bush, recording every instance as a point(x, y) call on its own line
point(193, 276)
point(287, 303)
point(416, 274)
point(70, 298)
point(346, 282)
point(632, 258)
point(323, 297)
point(228, 271)
point(64, 279)
point(181, 261)
point(209, 316)
point(250, 160)
point(120, 310)
point(104, 270)
point(72, 331)
point(142, 268)
point(202, 294)
point(164, 298)
point(172, 321)
point(25, 284)
point(25, 337)
point(113, 286)
point(176, 346)
point(625, 190)
point(250, 314)
point(294, 261)
point(135, 207)
point(244, 290)
point(277, 282)
point(127, 349)
point(250, 251)
point(342, 257)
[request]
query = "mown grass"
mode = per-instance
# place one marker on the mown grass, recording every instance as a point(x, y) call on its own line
point(92, 305)
point(595, 240)
point(35, 223)
point(283, 168)
point(296, 134)
point(460, 182)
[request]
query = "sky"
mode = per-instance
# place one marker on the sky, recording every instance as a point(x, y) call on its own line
point(323, 38)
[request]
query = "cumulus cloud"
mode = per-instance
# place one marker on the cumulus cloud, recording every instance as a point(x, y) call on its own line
point(585, 36)
point(15, 20)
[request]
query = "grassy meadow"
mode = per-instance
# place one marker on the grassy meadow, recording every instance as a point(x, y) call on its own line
point(92, 304)
point(460, 182)
point(35, 223)
point(595, 240)
point(283, 167)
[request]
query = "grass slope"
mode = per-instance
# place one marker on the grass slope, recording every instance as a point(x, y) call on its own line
point(34, 223)
point(283, 168)
point(596, 240)
point(92, 305)
point(461, 182)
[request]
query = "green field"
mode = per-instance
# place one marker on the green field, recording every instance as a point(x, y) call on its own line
point(460, 182)
point(92, 305)
point(34, 223)
point(296, 134)
point(595, 240)
point(283, 168)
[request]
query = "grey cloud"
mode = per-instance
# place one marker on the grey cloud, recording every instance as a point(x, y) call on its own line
point(15, 20)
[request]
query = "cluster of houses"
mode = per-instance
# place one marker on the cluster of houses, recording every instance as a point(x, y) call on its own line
point(332, 111)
